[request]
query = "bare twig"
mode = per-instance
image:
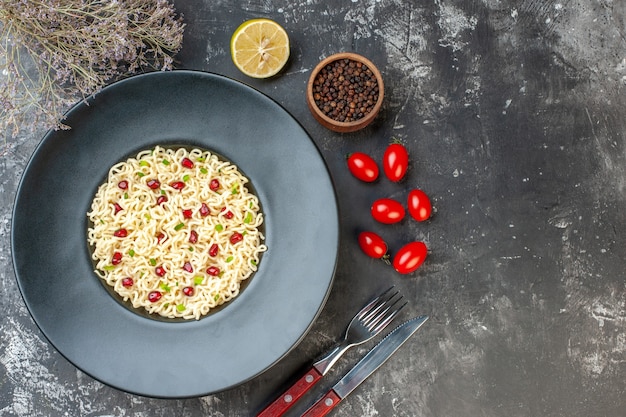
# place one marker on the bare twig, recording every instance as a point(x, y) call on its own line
point(56, 52)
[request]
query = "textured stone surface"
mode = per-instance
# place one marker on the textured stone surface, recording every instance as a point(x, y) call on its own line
point(514, 116)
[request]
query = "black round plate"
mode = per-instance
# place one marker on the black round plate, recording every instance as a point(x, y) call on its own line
point(160, 358)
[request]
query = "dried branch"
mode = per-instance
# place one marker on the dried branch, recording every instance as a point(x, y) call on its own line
point(56, 52)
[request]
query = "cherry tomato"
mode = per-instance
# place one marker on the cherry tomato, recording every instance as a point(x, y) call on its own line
point(395, 161)
point(373, 245)
point(363, 167)
point(387, 210)
point(410, 257)
point(419, 205)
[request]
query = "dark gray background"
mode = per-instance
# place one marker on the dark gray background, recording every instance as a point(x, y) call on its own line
point(514, 116)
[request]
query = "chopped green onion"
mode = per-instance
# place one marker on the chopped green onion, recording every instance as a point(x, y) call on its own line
point(219, 227)
point(125, 196)
point(109, 268)
point(166, 305)
point(140, 174)
point(165, 162)
point(253, 262)
point(229, 259)
point(204, 170)
point(180, 307)
point(216, 297)
point(147, 216)
point(131, 253)
point(190, 248)
point(248, 218)
point(144, 163)
point(163, 192)
point(197, 280)
point(101, 221)
point(186, 178)
point(165, 287)
point(201, 159)
point(152, 261)
point(179, 226)
point(235, 189)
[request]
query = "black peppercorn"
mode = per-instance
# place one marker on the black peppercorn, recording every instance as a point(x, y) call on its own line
point(345, 90)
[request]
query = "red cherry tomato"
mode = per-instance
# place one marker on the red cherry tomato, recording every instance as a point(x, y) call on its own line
point(395, 161)
point(419, 205)
point(373, 245)
point(363, 167)
point(387, 210)
point(410, 257)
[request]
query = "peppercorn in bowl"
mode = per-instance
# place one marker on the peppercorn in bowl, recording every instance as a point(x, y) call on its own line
point(345, 92)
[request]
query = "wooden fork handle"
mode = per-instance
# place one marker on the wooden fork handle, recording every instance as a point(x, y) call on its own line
point(293, 394)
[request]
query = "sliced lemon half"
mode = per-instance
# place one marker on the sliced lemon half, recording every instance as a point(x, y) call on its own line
point(259, 48)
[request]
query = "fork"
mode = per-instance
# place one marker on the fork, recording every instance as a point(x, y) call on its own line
point(366, 324)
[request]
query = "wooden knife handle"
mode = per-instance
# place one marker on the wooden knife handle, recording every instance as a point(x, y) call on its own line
point(323, 405)
point(289, 397)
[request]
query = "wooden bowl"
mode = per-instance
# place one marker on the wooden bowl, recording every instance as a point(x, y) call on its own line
point(326, 118)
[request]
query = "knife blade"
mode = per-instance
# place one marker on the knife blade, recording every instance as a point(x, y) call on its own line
point(366, 366)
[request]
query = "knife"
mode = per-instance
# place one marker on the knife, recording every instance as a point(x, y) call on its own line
point(366, 366)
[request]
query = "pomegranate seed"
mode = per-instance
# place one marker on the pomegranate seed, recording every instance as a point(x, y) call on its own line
point(188, 291)
point(117, 258)
point(127, 282)
point(160, 237)
point(213, 250)
point(154, 184)
point(187, 214)
point(213, 271)
point(118, 208)
point(193, 236)
point(161, 199)
point(123, 185)
point(187, 267)
point(214, 185)
point(236, 237)
point(187, 163)
point(204, 210)
point(160, 271)
point(154, 296)
point(120, 233)
point(177, 185)
point(229, 214)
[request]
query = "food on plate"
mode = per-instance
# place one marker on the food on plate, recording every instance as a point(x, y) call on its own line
point(395, 161)
point(259, 48)
point(387, 211)
point(363, 166)
point(410, 257)
point(419, 205)
point(175, 231)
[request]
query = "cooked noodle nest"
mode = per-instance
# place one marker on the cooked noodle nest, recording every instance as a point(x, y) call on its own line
point(186, 244)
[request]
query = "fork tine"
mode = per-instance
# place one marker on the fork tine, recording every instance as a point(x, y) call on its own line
point(380, 311)
point(389, 318)
point(382, 315)
point(372, 304)
point(380, 304)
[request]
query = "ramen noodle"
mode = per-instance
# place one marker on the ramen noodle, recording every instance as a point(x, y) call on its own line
point(175, 231)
